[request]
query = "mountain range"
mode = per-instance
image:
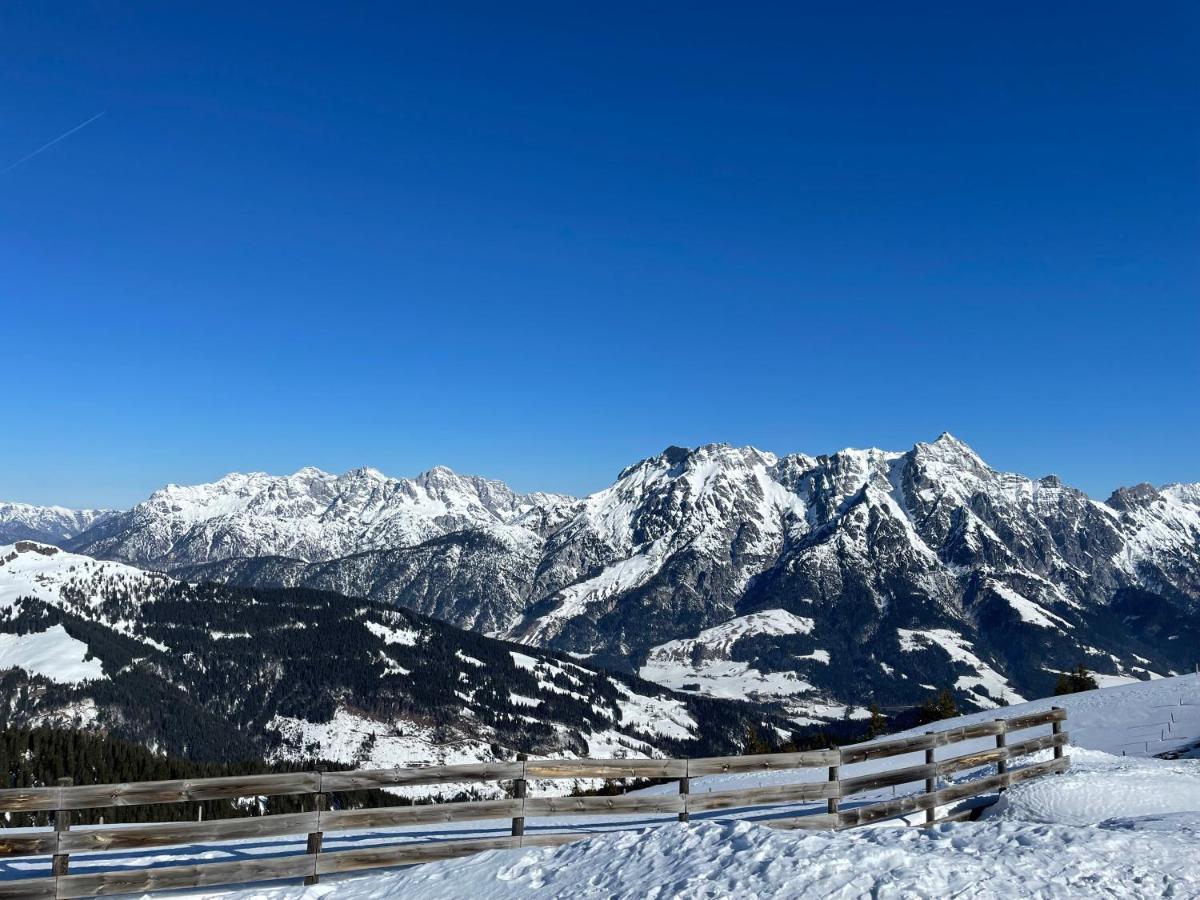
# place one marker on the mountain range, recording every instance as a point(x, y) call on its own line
point(52, 524)
point(810, 583)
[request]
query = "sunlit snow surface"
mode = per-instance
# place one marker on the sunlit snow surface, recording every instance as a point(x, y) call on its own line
point(704, 663)
point(52, 653)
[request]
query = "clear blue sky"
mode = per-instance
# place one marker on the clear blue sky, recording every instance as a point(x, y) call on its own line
point(541, 242)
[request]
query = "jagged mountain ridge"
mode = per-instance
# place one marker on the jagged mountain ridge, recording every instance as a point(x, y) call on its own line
point(313, 516)
point(51, 524)
point(222, 673)
point(872, 551)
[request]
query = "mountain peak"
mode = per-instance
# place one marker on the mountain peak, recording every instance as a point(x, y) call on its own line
point(949, 449)
point(1127, 498)
point(439, 472)
point(947, 441)
point(367, 472)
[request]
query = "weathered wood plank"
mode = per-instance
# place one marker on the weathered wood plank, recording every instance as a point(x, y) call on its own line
point(28, 889)
point(968, 732)
point(381, 778)
point(28, 844)
point(972, 788)
point(1016, 776)
point(887, 779)
point(425, 814)
point(625, 803)
point(103, 884)
point(761, 762)
point(887, 809)
point(762, 796)
point(29, 799)
point(408, 854)
point(813, 822)
point(98, 796)
point(132, 837)
point(1016, 723)
point(971, 760)
point(856, 753)
point(606, 768)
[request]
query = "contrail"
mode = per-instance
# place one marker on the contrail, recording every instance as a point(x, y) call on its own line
point(65, 134)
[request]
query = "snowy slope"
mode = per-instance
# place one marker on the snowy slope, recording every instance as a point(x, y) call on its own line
point(1144, 857)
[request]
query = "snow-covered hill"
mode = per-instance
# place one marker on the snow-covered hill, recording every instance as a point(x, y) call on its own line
point(818, 582)
point(221, 673)
point(52, 524)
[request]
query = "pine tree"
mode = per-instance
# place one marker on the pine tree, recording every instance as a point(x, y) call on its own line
point(1078, 679)
point(755, 742)
point(878, 724)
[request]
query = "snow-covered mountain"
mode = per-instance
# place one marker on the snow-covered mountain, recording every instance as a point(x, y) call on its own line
point(818, 582)
point(52, 524)
point(212, 672)
point(314, 516)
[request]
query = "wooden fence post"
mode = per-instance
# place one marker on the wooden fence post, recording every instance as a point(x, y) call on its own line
point(519, 786)
point(930, 783)
point(1056, 729)
point(831, 805)
point(1001, 743)
point(685, 788)
point(316, 838)
point(62, 822)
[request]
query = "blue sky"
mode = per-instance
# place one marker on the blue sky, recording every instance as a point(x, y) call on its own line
point(543, 242)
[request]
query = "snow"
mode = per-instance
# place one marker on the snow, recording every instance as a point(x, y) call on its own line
point(52, 653)
point(1028, 610)
point(51, 522)
point(703, 664)
point(1103, 787)
point(523, 661)
point(741, 859)
point(364, 743)
point(43, 571)
point(314, 515)
point(405, 636)
point(656, 715)
point(986, 686)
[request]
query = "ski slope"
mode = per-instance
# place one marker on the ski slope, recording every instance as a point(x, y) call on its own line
point(1114, 825)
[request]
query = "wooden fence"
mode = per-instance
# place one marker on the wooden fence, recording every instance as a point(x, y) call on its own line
point(61, 842)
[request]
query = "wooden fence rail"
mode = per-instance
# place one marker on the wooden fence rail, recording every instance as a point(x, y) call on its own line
point(834, 787)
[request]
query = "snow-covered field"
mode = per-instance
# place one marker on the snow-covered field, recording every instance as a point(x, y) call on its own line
point(1113, 826)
